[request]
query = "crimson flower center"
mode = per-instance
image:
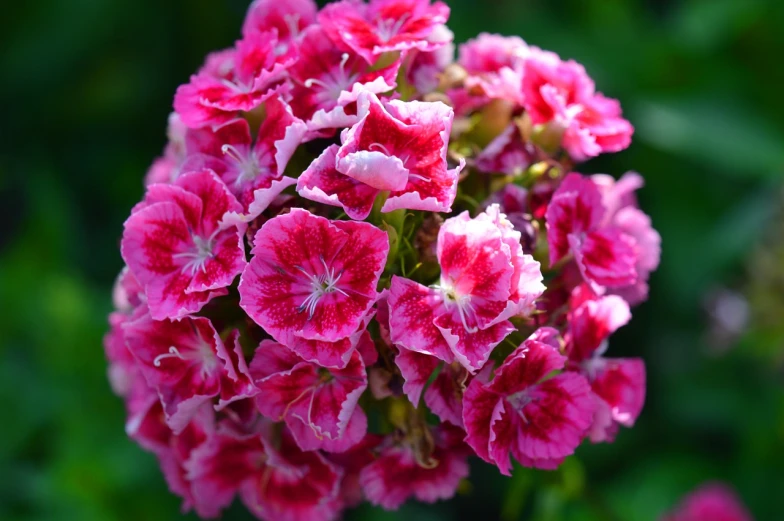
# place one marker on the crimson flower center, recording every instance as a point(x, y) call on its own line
point(202, 354)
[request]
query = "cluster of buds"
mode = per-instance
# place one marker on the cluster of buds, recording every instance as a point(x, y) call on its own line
point(360, 262)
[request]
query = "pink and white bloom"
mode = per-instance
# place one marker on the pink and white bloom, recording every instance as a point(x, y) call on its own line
point(253, 171)
point(318, 404)
point(311, 278)
point(397, 474)
point(177, 248)
point(289, 19)
point(623, 212)
point(507, 154)
point(327, 79)
point(710, 502)
point(524, 411)
point(485, 280)
point(424, 68)
point(384, 25)
point(233, 81)
point(618, 384)
point(494, 67)
point(396, 147)
point(561, 93)
point(188, 364)
point(274, 479)
point(605, 254)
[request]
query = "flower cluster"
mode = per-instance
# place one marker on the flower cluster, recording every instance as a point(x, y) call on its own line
point(360, 261)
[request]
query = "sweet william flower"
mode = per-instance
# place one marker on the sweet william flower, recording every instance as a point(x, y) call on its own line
point(289, 19)
point(623, 212)
point(605, 255)
point(561, 93)
point(311, 278)
point(274, 479)
point(188, 364)
point(318, 404)
point(252, 170)
point(399, 474)
point(485, 279)
point(177, 248)
point(710, 502)
point(233, 81)
point(618, 384)
point(524, 411)
point(327, 79)
point(384, 25)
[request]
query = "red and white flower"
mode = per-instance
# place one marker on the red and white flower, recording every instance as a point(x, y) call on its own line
point(177, 248)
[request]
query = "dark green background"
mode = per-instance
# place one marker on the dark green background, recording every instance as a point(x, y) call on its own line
point(86, 87)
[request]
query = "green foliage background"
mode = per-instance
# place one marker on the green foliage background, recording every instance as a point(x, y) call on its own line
point(86, 87)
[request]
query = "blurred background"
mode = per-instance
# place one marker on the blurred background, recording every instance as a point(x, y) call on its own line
point(86, 88)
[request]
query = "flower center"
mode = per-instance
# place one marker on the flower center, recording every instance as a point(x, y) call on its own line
point(518, 401)
point(198, 256)
point(465, 309)
point(388, 28)
point(334, 82)
point(248, 164)
point(320, 285)
point(202, 354)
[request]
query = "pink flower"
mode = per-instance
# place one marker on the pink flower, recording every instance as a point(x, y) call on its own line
point(311, 278)
point(710, 502)
point(319, 405)
point(494, 66)
point(397, 474)
point(424, 69)
point(383, 25)
point(561, 93)
point(618, 384)
point(396, 147)
point(444, 396)
point(274, 478)
point(233, 81)
point(524, 412)
point(605, 255)
point(253, 172)
point(622, 212)
point(485, 279)
point(326, 79)
point(289, 19)
point(176, 247)
point(507, 154)
point(188, 364)
point(351, 464)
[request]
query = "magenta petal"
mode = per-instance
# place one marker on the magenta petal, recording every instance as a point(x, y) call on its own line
point(444, 396)
point(416, 369)
point(396, 476)
point(479, 403)
point(472, 349)
point(293, 485)
point(412, 311)
point(620, 382)
point(218, 467)
point(306, 438)
point(576, 208)
point(592, 322)
point(237, 382)
point(558, 417)
point(607, 257)
point(322, 183)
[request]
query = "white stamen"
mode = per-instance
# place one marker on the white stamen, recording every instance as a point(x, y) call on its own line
point(389, 27)
point(320, 286)
point(173, 353)
point(380, 147)
point(463, 303)
point(197, 258)
point(248, 164)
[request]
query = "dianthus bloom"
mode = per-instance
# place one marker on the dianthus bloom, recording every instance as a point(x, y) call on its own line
point(710, 502)
point(359, 263)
